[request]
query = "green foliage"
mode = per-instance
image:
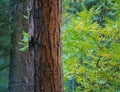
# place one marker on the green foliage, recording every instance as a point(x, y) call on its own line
point(91, 44)
point(91, 52)
point(24, 42)
point(5, 44)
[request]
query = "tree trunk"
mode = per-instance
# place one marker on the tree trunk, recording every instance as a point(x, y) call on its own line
point(18, 75)
point(45, 45)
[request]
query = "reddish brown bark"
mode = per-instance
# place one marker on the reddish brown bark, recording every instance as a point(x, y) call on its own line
point(45, 45)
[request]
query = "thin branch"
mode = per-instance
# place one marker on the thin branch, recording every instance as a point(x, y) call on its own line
point(4, 67)
point(96, 43)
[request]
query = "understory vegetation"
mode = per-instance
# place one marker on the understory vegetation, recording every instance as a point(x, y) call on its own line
point(91, 49)
point(90, 45)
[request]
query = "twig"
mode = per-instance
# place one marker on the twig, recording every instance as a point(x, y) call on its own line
point(4, 67)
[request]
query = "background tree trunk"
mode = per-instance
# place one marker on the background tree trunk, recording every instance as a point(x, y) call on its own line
point(45, 45)
point(19, 80)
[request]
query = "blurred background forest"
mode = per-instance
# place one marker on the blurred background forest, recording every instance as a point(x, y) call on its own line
point(90, 45)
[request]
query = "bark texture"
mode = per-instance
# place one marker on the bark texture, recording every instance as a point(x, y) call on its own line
point(45, 45)
point(19, 77)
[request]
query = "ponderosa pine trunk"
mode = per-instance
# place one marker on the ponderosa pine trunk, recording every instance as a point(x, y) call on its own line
point(45, 45)
point(19, 79)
